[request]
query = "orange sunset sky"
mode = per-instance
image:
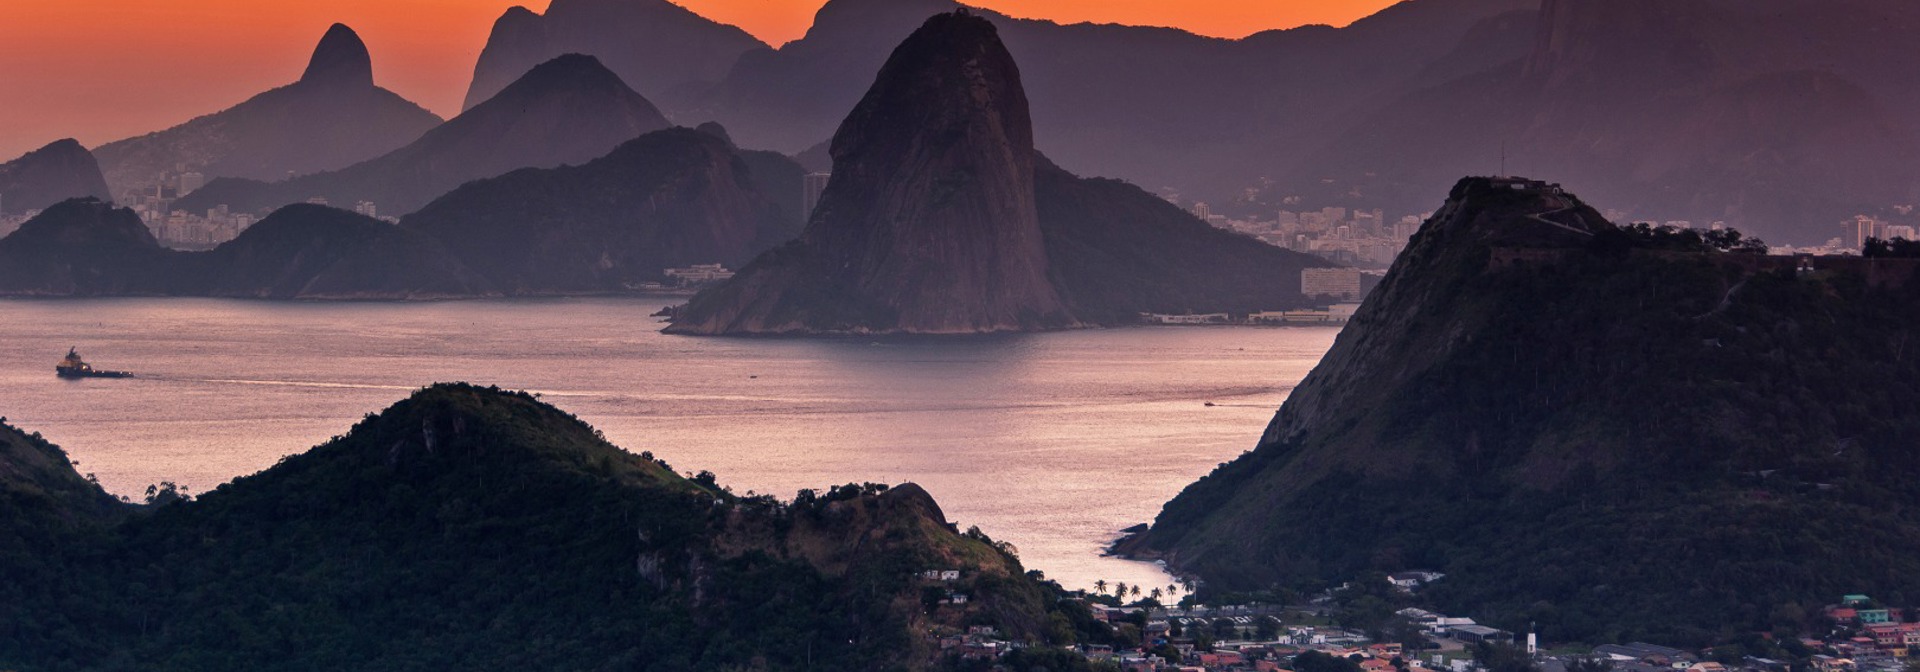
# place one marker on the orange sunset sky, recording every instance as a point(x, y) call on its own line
point(101, 70)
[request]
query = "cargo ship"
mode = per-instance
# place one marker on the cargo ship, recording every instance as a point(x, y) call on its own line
point(75, 367)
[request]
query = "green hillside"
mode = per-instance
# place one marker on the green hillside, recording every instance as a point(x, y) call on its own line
point(474, 529)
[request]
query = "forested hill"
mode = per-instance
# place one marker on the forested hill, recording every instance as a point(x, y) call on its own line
point(473, 529)
point(1613, 432)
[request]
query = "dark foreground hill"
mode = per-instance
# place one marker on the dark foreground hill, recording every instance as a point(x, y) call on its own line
point(1611, 432)
point(332, 117)
point(86, 247)
point(567, 110)
point(470, 528)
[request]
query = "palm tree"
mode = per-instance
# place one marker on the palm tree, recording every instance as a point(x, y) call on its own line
point(1136, 591)
point(1188, 584)
point(1173, 589)
point(1155, 594)
point(1120, 590)
point(1100, 587)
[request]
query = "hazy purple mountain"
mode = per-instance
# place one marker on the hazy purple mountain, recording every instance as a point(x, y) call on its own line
point(1154, 105)
point(929, 224)
point(668, 199)
point(661, 49)
point(1776, 116)
point(333, 117)
point(941, 218)
point(566, 111)
point(1157, 106)
point(1701, 110)
point(48, 175)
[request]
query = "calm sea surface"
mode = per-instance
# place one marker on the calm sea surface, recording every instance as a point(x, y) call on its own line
point(1053, 442)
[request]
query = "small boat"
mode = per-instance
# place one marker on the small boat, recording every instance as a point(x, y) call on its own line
point(75, 367)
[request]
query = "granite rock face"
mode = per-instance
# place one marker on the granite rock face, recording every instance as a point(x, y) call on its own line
point(1533, 393)
point(929, 224)
point(340, 60)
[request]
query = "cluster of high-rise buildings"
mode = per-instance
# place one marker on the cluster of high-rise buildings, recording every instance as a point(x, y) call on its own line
point(1357, 237)
point(182, 229)
point(195, 230)
point(179, 228)
point(1867, 226)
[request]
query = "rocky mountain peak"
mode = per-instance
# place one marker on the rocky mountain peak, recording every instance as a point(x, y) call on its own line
point(341, 59)
point(929, 224)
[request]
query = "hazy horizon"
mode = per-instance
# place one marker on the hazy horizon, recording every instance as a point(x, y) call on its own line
point(126, 69)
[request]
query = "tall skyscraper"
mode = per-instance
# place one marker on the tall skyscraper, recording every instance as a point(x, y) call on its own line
point(816, 183)
point(1865, 227)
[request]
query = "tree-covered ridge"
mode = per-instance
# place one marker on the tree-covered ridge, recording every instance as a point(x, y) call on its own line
point(1620, 434)
point(470, 528)
point(42, 494)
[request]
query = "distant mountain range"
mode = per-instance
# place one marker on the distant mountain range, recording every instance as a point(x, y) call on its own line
point(475, 529)
point(332, 117)
point(932, 222)
point(568, 110)
point(1779, 116)
point(661, 49)
point(48, 175)
point(1604, 433)
point(671, 198)
point(993, 217)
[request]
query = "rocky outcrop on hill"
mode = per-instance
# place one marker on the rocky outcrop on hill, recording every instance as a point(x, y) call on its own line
point(566, 111)
point(49, 175)
point(1577, 422)
point(929, 224)
point(332, 117)
point(940, 218)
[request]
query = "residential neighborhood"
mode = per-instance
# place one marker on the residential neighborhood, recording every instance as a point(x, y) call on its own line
point(1192, 637)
